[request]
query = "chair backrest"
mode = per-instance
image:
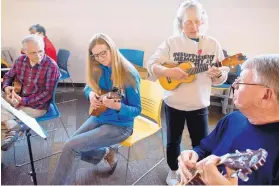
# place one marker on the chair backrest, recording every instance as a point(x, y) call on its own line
point(62, 59)
point(51, 114)
point(134, 56)
point(151, 100)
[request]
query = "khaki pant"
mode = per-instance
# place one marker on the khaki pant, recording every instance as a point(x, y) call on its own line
point(9, 120)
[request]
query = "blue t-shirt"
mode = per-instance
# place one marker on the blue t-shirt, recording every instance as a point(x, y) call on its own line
point(235, 132)
point(130, 104)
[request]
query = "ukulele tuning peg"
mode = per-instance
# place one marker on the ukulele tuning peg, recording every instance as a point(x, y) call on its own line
point(234, 174)
point(262, 161)
point(242, 176)
point(237, 152)
point(114, 89)
point(249, 151)
point(255, 167)
point(264, 152)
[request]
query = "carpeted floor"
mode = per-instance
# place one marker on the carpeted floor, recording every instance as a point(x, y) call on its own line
point(143, 155)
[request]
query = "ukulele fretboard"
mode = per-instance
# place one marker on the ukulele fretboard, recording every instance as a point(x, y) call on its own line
point(201, 68)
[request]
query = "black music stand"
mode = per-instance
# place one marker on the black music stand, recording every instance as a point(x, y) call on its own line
point(32, 173)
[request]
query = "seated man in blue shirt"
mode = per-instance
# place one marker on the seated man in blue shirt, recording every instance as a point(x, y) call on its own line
point(254, 126)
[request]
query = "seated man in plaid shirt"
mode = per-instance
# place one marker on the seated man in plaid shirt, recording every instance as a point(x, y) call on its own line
point(37, 73)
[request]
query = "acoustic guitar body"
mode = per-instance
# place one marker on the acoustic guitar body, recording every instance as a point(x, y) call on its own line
point(170, 83)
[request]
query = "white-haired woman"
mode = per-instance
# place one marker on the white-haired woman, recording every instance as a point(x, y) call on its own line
point(189, 101)
point(106, 68)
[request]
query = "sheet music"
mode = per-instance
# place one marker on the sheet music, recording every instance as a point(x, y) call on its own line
point(5, 69)
point(26, 119)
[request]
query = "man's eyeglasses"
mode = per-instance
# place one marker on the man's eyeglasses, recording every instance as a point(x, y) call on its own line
point(36, 53)
point(236, 84)
point(101, 54)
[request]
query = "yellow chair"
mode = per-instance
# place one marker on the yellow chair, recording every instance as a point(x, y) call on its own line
point(4, 63)
point(149, 122)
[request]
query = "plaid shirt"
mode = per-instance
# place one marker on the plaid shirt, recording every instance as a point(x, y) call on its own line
point(37, 82)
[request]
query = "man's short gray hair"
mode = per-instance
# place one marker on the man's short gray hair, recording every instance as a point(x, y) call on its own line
point(35, 38)
point(266, 70)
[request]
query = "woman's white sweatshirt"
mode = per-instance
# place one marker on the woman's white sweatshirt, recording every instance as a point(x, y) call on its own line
point(178, 49)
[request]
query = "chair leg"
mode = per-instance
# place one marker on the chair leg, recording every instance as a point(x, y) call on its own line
point(73, 84)
point(225, 102)
point(26, 138)
point(14, 155)
point(20, 165)
point(127, 165)
point(75, 99)
point(148, 171)
point(37, 134)
point(156, 163)
point(164, 152)
point(231, 105)
point(64, 127)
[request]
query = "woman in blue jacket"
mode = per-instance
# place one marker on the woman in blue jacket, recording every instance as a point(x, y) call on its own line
point(106, 69)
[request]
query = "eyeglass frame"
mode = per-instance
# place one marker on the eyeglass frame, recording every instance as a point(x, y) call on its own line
point(36, 53)
point(239, 83)
point(100, 54)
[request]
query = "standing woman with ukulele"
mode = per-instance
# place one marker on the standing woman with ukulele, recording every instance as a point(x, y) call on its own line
point(188, 101)
point(113, 119)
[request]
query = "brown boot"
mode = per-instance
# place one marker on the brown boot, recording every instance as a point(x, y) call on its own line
point(111, 158)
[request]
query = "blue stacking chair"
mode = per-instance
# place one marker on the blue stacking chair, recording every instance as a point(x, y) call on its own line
point(51, 114)
point(62, 61)
point(226, 107)
point(134, 56)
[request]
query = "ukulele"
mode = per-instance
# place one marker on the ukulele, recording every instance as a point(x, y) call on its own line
point(17, 86)
point(189, 67)
point(115, 94)
point(243, 163)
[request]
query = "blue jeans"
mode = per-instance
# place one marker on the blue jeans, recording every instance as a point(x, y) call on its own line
point(88, 144)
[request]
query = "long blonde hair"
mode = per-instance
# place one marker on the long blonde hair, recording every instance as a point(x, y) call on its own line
point(121, 68)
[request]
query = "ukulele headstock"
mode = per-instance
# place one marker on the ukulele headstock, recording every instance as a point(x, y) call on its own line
point(245, 163)
point(116, 94)
point(234, 60)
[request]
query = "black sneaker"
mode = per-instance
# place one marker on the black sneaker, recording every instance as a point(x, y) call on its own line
point(111, 158)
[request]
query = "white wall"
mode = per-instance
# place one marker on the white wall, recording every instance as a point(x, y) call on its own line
point(248, 26)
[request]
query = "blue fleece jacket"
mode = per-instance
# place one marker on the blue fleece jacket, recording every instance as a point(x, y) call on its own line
point(235, 132)
point(130, 104)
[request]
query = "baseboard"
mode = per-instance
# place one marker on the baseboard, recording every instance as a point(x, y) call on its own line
point(67, 84)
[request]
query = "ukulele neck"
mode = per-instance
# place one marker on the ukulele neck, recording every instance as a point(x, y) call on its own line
point(201, 68)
